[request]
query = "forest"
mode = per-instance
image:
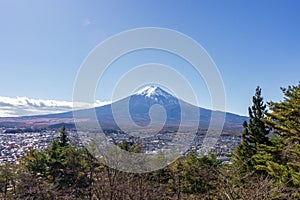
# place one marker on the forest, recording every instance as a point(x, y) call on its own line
point(266, 165)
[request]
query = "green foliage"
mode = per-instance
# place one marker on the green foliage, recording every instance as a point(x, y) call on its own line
point(62, 164)
point(135, 148)
point(255, 133)
point(281, 159)
point(267, 166)
point(284, 117)
point(63, 137)
point(36, 162)
point(197, 173)
point(193, 174)
point(277, 157)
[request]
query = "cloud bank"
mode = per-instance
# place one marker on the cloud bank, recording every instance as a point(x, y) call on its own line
point(24, 106)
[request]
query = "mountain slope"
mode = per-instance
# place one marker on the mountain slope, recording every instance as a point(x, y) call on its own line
point(145, 106)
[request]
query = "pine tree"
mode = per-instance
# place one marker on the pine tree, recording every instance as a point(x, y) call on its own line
point(281, 160)
point(63, 138)
point(255, 133)
point(64, 165)
point(285, 116)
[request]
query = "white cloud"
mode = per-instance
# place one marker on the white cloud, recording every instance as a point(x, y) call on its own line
point(99, 103)
point(24, 106)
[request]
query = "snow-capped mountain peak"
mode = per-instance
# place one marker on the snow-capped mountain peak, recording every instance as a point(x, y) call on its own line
point(153, 91)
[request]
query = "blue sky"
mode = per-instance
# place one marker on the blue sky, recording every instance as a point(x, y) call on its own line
point(43, 44)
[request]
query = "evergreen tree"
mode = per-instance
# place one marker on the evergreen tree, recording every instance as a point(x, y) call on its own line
point(64, 165)
point(282, 159)
point(255, 133)
point(284, 117)
point(63, 138)
point(36, 162)
point(198, 173)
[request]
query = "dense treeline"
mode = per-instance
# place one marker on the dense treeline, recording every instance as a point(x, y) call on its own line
point(266, 165)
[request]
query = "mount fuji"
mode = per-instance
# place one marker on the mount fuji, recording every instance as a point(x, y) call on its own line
point(139, 107)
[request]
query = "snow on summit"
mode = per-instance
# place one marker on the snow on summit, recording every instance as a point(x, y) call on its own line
point(151, 90)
